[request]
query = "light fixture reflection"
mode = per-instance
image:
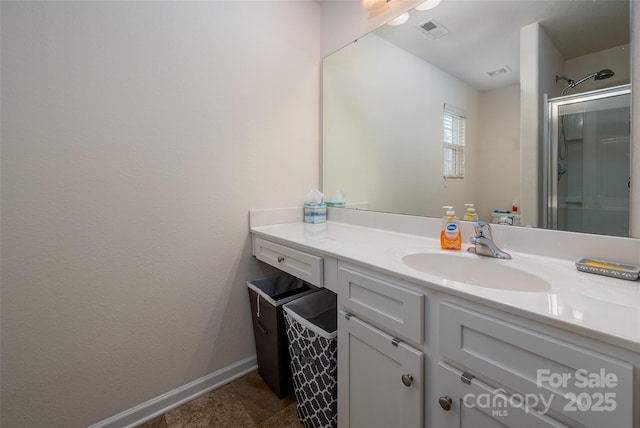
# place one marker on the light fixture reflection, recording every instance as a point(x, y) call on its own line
point(399, 20)
point(429, 4)
point(375, 7)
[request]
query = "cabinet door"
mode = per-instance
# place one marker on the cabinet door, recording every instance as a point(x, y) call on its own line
point(380, 380)
point(474, 404)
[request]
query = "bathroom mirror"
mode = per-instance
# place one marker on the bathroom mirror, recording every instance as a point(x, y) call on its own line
point(489, 64)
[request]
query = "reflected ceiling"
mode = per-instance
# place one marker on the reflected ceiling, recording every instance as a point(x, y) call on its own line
point(491, 47)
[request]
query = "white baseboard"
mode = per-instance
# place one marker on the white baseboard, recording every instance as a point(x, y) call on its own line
point(172, 399)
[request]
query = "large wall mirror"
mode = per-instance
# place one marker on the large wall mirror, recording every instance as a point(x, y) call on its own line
point(399, 101)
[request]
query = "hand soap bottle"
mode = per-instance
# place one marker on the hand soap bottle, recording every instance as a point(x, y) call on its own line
point(450, 236)
point(471, 214)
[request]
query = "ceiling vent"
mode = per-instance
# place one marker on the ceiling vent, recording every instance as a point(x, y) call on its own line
point(501, 70)
point(433, 29)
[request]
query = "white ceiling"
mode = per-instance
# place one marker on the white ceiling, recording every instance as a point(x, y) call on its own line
point(484, 35)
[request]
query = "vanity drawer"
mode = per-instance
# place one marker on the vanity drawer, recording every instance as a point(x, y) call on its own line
point(305, 266)
point(591, 388)
point(382, 300)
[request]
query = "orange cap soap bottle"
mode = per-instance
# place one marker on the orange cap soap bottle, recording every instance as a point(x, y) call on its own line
point(450, 236)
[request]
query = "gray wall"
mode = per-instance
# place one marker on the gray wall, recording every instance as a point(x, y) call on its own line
point(136, 136)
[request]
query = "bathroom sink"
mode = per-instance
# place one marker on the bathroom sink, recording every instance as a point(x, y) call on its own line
point(478, 271)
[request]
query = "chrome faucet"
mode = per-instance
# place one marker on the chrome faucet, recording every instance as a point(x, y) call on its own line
point(483, 242)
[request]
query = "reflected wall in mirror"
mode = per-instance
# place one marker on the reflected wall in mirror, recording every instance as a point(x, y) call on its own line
point(384, 98)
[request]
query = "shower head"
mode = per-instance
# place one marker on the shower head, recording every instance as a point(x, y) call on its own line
point(604, 74)
point(600, 75)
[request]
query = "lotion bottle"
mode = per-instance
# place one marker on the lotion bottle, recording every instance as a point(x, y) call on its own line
point(450, 236)
point(471, 214)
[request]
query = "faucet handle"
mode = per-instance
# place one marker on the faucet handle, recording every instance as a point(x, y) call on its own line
point(482, 229)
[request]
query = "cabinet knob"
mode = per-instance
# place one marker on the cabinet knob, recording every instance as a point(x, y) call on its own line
point(407, 379)
point(445, 402)
point(280, 259)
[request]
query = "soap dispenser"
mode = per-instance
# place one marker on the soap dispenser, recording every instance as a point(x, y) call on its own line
point(450, 236)
point(471, 214)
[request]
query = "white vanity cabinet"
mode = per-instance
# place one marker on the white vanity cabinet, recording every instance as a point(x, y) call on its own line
point(380, 377)
point(469, 365)
point(506, 374)
point(422, 354)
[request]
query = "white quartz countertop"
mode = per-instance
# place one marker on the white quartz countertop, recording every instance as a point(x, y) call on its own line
point(600, 307)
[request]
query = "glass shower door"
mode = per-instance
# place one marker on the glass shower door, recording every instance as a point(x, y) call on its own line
point(588, 154)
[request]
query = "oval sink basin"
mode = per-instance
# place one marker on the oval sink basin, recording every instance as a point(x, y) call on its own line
point(476, 270)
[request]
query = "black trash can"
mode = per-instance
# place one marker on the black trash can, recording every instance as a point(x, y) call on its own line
point(312, 327)
point(267, 295)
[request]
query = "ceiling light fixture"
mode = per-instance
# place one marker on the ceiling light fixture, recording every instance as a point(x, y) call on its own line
point(376, 7)
point(399, 20)
point(429, 4)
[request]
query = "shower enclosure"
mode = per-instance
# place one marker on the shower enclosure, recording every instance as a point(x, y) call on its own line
point(587, 147)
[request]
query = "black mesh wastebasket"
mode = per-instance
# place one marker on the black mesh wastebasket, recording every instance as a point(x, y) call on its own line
point(267, 295)
point(312, 329)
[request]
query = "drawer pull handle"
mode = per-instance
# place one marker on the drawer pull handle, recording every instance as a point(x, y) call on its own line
point(280, 259)
point(407, 379)
point(466, 377)
point(445, 402)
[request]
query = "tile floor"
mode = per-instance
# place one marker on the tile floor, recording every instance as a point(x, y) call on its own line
point(244, 402)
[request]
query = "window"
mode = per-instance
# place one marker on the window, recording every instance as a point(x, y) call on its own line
point(453, 124)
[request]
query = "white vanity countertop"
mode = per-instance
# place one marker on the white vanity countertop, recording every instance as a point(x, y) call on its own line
point(601, 307)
